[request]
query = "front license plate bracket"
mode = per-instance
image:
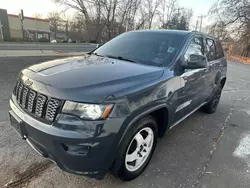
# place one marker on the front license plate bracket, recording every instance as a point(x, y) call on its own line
point(17, 124)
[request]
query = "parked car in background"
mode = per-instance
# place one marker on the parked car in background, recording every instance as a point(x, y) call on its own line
point(106, 110)
point(43, 40)
point(53, 41)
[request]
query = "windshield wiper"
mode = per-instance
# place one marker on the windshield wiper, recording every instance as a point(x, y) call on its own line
point(94, 53)
point(114, 57)
point(122, 58)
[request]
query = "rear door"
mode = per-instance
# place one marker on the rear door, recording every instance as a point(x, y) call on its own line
point(221, 67)
point(213, 59)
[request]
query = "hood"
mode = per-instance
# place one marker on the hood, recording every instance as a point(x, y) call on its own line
point(89, 78)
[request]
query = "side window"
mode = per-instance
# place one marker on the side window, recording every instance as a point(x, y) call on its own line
point(195, 47)
point(219, 50)
point(210, 50)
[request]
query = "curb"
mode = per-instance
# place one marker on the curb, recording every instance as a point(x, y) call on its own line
point(38, 53)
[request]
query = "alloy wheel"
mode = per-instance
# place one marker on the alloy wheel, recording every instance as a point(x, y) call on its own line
point(139, 149)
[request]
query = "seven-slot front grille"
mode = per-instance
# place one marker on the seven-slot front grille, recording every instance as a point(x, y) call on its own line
point(40, 105)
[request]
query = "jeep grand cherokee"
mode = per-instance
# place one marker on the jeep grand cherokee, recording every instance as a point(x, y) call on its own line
point(104, 111)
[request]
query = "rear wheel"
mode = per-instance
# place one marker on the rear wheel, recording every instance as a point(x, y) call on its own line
point(136, 149)
point(212, 105)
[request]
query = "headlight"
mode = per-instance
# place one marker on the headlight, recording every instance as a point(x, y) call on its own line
point(87, 111)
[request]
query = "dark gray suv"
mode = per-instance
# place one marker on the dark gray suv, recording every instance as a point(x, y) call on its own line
point(105, 111)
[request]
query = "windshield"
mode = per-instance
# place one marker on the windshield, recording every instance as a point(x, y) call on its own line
point(151, 48)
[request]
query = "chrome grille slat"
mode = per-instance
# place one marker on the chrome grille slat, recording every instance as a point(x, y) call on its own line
point(24, 96)
point(16, 87)
point(31, 100)
point(52, 108)
point(19, 94)
point(38, 104)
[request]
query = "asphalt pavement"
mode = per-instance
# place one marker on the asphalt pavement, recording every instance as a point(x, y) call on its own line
point(204, 151)
point(65, 47)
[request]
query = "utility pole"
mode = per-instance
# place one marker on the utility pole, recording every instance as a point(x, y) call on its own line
point(1, 31)
point(21, 17)
point(201, 22)
point(67, 28)
point(126, 25)
point(196, 27)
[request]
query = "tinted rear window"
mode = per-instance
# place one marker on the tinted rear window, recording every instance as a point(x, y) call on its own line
point(151, 48)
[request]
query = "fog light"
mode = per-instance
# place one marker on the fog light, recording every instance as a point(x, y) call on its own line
point(78, 149)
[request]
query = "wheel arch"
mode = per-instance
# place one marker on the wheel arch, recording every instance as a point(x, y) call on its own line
point(150, 112)
point(159, 112)
point(161, 117)
point(223, 82)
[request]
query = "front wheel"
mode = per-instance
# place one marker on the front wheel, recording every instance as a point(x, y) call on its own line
point(212, 105)
point(136, 149)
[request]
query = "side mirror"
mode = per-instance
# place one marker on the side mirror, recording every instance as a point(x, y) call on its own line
point(195, 62)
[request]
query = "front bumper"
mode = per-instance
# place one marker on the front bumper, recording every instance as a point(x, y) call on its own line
point(89, 151)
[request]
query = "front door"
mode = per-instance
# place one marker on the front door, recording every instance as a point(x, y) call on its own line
point(192, 94)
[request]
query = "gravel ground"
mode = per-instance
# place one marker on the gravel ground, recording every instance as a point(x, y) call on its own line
point(203, 151)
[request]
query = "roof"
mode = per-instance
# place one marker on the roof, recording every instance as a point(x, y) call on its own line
point(170, 31)
point(180, 32)
point(29, 18)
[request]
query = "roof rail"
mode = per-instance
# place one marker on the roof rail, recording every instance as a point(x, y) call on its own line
point(198, 32)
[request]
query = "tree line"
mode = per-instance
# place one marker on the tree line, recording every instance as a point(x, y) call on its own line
point(232, 25)
point(101, 20)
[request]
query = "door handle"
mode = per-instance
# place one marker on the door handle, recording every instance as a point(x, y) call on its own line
point(192, 79)
point(204, 71)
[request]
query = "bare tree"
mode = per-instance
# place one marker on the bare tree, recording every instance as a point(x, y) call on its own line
point(110, 8)
point(96, 14)
point(127, 13)
point(134, 11)
point(142, 18)
point(37, 15)
point(77, 28)
point(55, 22)
point(81, 6)
point(104, 19)
point(167, 8)
point(99, 24)
point(234, 15)
point(219, 30)
point(152, 9)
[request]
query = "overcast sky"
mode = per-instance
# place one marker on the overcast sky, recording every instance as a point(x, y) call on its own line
point(31, 7)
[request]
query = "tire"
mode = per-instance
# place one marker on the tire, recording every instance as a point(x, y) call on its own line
point(124, 166)
point(212, 105)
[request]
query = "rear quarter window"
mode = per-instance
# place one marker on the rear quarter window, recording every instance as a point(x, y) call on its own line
point(219, 50)
point(210, 49)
